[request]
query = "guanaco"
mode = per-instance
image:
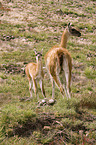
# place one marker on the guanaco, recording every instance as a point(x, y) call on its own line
point(59, 63)
point(34, 72)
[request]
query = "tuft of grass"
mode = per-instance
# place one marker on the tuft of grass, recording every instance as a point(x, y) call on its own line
point(66, 107)
point(91, 126)
point(70, 123)
point(89, 101)
point(15, 115)
point(90, 73)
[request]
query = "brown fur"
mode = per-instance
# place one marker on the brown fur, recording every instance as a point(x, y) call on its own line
point(58, 56)
point(34, 71)
point(58, 60)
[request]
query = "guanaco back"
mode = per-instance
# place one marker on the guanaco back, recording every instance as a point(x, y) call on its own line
point(34, 72)
point(59, 63)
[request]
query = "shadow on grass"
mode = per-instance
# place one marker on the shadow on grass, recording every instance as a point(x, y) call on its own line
point(26, 129)
point(51, 129)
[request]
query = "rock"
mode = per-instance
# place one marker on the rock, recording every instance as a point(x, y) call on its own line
point(42, 103)
point(59, 11)
point(47, 128)
point(51, 102)
point(45, 101)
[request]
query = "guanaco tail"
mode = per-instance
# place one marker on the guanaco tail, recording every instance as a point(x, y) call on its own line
point(34, 72)
point(59, 63)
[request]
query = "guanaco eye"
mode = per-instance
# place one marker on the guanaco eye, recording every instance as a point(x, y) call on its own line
point(38, 54)
point(73, 30)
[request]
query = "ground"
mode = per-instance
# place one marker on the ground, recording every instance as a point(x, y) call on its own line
point(26, 24)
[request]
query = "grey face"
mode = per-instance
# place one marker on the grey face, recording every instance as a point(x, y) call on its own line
point(38, 54)
point(73, 31)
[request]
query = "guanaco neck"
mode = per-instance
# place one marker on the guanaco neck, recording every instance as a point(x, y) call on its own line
point(64, 38)
point(39, 66)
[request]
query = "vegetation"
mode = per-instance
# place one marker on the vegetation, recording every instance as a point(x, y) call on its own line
point(26, 24)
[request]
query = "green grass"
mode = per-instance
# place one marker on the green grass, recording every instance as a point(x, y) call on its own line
point(17, 115)
point(40, 25)
point(90, 73)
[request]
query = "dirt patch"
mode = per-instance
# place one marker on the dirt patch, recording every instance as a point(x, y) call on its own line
point(7, 38)
point(29, 126)
point(3, 8)
point(13, 68)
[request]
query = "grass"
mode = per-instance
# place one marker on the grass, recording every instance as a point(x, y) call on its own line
point(90, 73)
point(40, 24)
point(23, 118)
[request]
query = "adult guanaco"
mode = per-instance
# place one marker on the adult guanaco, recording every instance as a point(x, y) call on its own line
point(34, 72)
point(59, 63)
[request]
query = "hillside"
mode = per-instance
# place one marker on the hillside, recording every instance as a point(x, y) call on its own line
point(26, 24)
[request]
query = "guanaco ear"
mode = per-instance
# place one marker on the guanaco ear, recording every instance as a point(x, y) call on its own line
point(35, 51)
point(69, 25)
point(42, 51)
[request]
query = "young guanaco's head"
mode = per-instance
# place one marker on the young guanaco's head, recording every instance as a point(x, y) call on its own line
point(38, 54)
point(73, 31)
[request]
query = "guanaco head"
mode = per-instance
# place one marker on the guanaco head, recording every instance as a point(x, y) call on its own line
point(73, 31)
point(38, 54)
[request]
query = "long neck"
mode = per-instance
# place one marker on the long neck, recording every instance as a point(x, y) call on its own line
point(39, 65)
point(64, 38)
